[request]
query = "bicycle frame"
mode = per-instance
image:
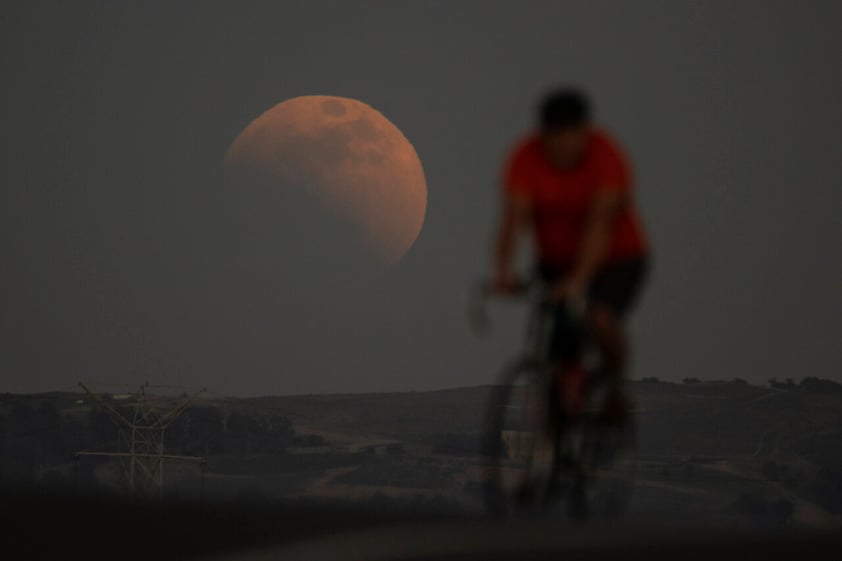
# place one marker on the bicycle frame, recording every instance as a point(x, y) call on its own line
point(541, 324)
point(567, 422)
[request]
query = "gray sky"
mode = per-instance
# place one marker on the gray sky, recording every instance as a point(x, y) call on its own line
point(115, 226)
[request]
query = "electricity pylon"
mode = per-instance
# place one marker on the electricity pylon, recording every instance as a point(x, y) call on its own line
point(140, 441)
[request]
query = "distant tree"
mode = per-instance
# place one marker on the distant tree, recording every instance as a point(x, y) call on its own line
point(820, 385)
point(691, 380)
point(651, 380)
point(788, 384)
point(739, 382)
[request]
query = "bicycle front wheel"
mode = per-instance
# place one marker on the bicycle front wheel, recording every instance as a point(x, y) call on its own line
point(520, 441)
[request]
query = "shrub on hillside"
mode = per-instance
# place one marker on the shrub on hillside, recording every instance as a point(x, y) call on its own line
point(788, 384)
point(819, 385)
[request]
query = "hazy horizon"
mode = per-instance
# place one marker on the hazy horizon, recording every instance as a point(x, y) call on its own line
point(211, 393)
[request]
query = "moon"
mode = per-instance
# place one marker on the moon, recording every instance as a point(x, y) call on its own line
point(345, 166)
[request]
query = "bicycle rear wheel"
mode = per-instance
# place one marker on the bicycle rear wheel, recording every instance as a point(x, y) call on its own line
point(520, 441)
point(607, 467)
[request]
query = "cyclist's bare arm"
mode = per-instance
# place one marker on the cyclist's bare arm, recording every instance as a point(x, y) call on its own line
point(595, 242)
point(516, 215)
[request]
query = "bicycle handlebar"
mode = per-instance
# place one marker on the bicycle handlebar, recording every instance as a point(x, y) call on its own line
point(483, 291)
point(533, 289)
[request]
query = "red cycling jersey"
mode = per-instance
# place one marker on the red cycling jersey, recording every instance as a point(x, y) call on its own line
point(562, 199)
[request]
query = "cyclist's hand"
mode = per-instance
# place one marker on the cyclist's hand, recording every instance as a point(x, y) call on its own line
point(569, 289)
point(505, 284)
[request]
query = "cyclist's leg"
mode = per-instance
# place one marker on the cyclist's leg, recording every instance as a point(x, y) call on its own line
point(569, 376)
point(611, 341)
point(567, 388)
point(571, 381)
point(611, 296)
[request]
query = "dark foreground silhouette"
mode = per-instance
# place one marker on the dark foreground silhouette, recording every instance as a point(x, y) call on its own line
point(53, 527)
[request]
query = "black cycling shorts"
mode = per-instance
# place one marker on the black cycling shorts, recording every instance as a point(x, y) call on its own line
point(616, 285)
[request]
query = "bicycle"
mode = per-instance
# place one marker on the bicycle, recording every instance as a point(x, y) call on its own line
point(547, 437)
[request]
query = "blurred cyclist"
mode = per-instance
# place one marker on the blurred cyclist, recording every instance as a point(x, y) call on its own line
point(569, 184)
